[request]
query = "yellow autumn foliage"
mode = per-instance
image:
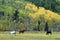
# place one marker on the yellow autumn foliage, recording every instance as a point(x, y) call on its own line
point(47, 14)
point(41, 10)
point(30, 15)
point(52, 15)
point(31, 6)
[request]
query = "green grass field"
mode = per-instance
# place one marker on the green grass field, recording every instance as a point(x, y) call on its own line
point(30, 36)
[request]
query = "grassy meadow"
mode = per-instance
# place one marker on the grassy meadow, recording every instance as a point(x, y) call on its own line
point(30, 36)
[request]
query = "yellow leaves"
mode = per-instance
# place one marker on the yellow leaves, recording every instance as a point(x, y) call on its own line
point(41, 10)
point(38, 13)
point(47, 17)
point(34, 8)
point(34, 16)
point(52, 14)
point(47, 14)
point(31, 6)
point(27, 7)
point(30, 15)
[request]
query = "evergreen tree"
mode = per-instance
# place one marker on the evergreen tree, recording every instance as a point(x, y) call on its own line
point(46, 26)
point(16, 17)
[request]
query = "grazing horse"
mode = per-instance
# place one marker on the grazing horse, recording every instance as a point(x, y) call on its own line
point(22, 31)
point(48, 32)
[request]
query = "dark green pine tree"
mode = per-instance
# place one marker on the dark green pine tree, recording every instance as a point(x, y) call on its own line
point(15, 16)
point(38, 25)
point(46, 27)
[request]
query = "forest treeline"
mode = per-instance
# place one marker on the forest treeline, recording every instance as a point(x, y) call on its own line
point(29, 15)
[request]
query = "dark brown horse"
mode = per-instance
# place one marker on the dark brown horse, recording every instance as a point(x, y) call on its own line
point(22, 31)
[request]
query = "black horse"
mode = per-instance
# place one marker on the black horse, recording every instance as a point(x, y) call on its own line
point(48, 32)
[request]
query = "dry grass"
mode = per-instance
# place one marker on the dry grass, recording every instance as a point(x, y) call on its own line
point(29, 36)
